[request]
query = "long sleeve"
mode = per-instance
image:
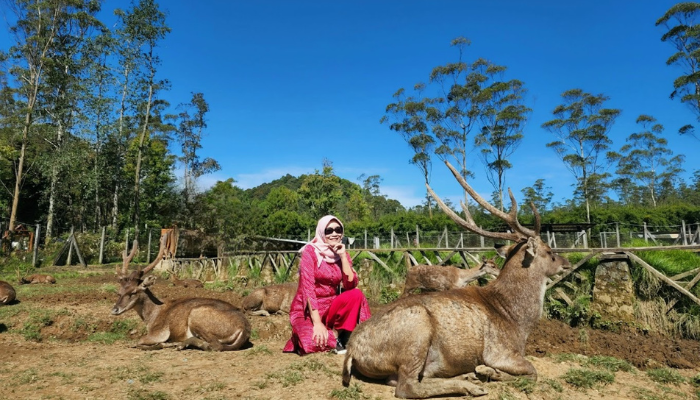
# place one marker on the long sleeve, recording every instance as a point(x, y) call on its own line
point(307, 277)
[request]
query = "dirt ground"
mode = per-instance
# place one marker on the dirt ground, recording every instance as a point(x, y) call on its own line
point(66, 362)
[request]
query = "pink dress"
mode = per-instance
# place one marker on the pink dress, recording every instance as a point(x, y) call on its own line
point(319, 285)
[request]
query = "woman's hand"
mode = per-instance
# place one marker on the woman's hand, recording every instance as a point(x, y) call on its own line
point(339, 249)
point(320, 335)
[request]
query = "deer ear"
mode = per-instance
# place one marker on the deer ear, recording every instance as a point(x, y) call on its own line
point(531, 246)
point(501, 249)
point(150, 280)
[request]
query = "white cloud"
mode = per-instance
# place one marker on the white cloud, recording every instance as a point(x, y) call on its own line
point(405, 195)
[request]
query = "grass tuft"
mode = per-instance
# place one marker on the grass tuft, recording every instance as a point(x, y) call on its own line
point(665, 376)
point(586, 378)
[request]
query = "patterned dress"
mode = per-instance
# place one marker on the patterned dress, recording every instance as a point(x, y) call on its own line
point(319, 285)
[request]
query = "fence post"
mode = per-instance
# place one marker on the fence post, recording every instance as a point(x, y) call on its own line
point(617, 233)
point(392, 237)
point(417, 237)
point(148, 253)
point(447, 244)
point(36, 245)
point(482, 239)
point(408, 240)
point(585, 239)
point(646, 237)
point(685, 239)
point(102, 245)
point(365, 238)
point(70, 247)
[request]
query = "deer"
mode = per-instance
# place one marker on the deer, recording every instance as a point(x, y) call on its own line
point(186, 283)
point(191, 322)
point(446, 343)
point(431, 278)
point(37, 278)
point(7, 293)
point(270, 299)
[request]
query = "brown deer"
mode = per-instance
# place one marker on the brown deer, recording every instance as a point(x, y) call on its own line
point(207, 324)
point(37, 278)
point(186, 283)
point(270, 299)
point(435, 278)
point(446, 342)
point(7, 293)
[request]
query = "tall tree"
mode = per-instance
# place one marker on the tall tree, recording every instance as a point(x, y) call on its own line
point(537, 194)
point(145, 25)
point(321, 191)
point(647, 159)
point(683, 32)
point(581, 126)
point(192, 122)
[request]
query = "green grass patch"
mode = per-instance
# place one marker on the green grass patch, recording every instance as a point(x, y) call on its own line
point(586, 378)
point(524, 385)
point(665, 376)
point(143, 394)
point(260, 349)
point(569, 357)
point(612, 364)
point(353, 392)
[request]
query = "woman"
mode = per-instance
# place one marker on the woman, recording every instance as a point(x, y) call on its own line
point(319, 307)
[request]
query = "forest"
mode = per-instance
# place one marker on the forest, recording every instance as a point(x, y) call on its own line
point(90, 138)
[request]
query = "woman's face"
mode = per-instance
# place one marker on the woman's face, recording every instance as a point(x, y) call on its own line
point(333, 232)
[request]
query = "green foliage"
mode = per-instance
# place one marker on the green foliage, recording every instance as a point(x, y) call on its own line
point(586, 379)
point(665, 376)
point(353, 392)
point(611, 364)
point(524, 385)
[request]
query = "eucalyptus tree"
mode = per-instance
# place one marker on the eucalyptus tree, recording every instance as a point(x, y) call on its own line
point(581, 126)
point(468, 98)
point(683, 33)
point(192, 122)
point(143, 27)
point(538, 194)
point(646, 158)
point(39, 23)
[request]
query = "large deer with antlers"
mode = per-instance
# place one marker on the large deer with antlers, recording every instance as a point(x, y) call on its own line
point(447, 342)
point(207, 324)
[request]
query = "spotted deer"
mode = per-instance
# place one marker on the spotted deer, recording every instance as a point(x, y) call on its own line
point(7, 293)
point(192, 322)
point(447, 342)
point(37, 278)
point(270, 299)
point(435, 278)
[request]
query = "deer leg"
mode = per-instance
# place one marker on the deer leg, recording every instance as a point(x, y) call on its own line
point(523, 369)
point(195, 343)
point(263, 313)
point(412, 388)
point(156, 346)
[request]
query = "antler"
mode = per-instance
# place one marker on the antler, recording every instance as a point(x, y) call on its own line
point(511, 218)
point(127, 258)
point(161, 251)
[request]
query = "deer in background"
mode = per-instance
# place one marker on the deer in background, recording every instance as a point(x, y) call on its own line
point(37, 278)
point(448, 342)
point(270, 299)
point(7, 293)
point(186, 283)
point(207, 324)
point(435, 278)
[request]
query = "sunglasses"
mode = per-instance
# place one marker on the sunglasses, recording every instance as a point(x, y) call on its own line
point(337, 229)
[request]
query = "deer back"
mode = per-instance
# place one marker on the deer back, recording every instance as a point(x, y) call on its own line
point(7, 293)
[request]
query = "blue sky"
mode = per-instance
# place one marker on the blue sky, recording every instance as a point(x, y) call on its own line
point(290, 83)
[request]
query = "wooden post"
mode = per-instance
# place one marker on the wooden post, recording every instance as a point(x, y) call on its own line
point(617, 233)
point(148, 253)
point(308, 235)
point(417, 237)
point(585, 239)
point(482, 240)
point(408, 240)
point(392, 237)
point(102, 246)
point(447, 244)
point(365, 238)
point(646, 237)
point(36, 245)
point(70, 247)
point(461, 239)
point(685, 239)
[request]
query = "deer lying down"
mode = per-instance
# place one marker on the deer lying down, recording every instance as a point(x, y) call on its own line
point(7, 293)
point(436, 278)
point(186, 283)
point(270, 299)
point(37, 278)
point(207, 324)
point(446, 342)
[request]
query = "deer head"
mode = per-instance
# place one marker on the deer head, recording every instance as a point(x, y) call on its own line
point(133, 284)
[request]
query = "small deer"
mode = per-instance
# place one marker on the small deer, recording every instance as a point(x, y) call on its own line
point(7, 293)
point(435, 278)
point(447, 342)
point(37, 278)
point(207, 324)
point(186, 283)
point(270, 299)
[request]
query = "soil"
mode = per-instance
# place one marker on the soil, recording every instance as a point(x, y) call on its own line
point(67, 363)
